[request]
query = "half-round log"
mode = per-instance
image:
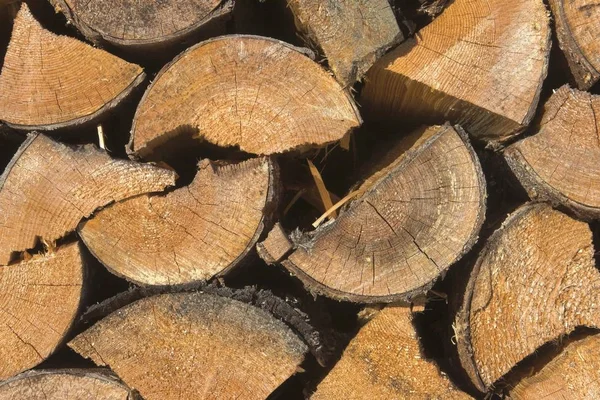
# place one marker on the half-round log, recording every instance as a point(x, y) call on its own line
point(534, 282)
point(255, 93)
point(48, 187)
point(190, 234)
point(39, 300)
point(194, 346)
point(561, 162)
point(50, 81)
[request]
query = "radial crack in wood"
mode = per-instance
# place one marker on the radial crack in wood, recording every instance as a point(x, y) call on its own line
point(384, 361)
point(144, 25)
point(190, 234)
point(48, 187)
point(351, 34)
point(578, 29)
point(480, 64)
point(561, 163)
point(259, 94)
point(65, 384)
point(50, 81)
point(39, 300)
point(413, 219)
point(534, 282)
point(573, 374)
point(194, 345)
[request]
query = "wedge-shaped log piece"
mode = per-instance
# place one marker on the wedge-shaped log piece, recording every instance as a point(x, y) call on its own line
point(561, 163)
point(194, 346)
point(534, 282)
point(578, 29)
point(351, 34)
point(414, 218)
point(384, 361)
point(49, 187)
point(143, 25)
point(573, 374)
point(39, 300)
point(65, 384)
point(50, 81)
point(190, 234)
point(480, 64)
point(259, 94)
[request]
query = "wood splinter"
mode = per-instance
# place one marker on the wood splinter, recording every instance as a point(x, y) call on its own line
point(194, 346)
point(561, 162)
point(190, 234)
point(48, 187)
point(414, 218)
point(480, 64)
point(49, 81)
point(384, 361)
point(66, 384)
point(39, 301)
point(255, 93)
point(534, 282)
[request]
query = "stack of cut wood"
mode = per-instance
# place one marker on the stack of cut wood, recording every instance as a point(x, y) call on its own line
point(354, 199)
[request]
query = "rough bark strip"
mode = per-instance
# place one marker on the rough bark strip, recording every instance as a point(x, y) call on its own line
point(384, 361)
point(255, 93)
point(193, 233)
point(578, 28)
point(561, 162)
point(49, 81)
point(414, 219)
point(39, 301)
point(194, 345)
point(534, 282)
point(66, 384)
point(49, 187)
point(352, 34)
point(480, 64)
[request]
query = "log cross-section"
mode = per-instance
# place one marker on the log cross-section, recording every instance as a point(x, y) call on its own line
point(190, 234)
point(50, 81)
point(194, 346)
point(535, 281)
point(48, 187)
point(414, 219)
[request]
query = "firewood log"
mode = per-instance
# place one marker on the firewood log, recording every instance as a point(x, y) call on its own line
point(535, 281)
point(65, 384)
point(39, 301)
point(410, 222)
point(48, 187)
point(258, 94)
point(480, 64)
point(561, 162)
point(194, 346)
point(190, 234)
point(50, 81)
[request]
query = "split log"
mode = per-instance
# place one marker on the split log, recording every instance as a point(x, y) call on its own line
point(384, 361)
point(352, 35)
point(48, 187)
point(65, 384)
point(190, 234)
point(561, 163)
point(573, 374)
point(534, 282)
point(50, 81)
point(479, 64)
point(259, 94)
point(411, 221)
point(146, 26)
point(578, 29)
point(39, 300)
point(194, 345)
